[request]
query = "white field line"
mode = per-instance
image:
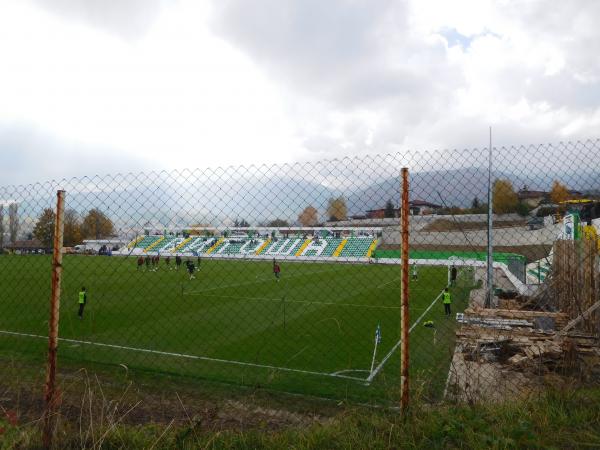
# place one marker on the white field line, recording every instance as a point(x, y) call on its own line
point(384, 360)
point(388, 282)
point(279, 300)
point(351, 370)
point(183, 355)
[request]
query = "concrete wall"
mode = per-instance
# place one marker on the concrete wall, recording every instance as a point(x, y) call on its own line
point(502, 236)
point(418, 222)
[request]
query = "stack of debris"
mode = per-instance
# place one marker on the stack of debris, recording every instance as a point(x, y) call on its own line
point(556, 331)
point(501, 352)
point(532, 340)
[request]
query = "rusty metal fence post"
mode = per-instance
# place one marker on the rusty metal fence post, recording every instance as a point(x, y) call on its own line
point(405, 325)
point(50, 389)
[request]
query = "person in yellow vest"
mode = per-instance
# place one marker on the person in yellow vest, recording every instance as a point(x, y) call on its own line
point(82, 300)
point(447, 300)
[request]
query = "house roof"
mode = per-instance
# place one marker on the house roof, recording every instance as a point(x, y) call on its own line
point(380, 209)
point(526, 193)
point(32, 243)
point(420, 203)
point(423, 203)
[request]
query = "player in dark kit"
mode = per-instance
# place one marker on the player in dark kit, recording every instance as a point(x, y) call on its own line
point(140, 262)
point(190, 268)
point(168, 262)
point(276, 270)
point(453, 274)
point(147, 262)
point(177, 262)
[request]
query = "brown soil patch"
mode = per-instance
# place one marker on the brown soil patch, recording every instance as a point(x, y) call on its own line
point(451, 225)
point(102, 400)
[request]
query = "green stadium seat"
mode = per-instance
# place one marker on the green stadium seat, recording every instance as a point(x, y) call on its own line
point(332, 245)
point(357, 247)
point(147, 241)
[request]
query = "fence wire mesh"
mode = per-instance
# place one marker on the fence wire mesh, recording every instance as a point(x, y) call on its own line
point(288, 276)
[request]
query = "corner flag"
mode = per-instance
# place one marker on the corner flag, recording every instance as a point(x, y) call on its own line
point(377, 341)
point(378, 334)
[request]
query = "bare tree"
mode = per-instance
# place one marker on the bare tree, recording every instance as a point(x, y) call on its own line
point(390, 211)
point(278, 223)
point(13, 222)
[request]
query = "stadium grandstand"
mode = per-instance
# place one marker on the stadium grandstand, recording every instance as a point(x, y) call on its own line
point(309, 243)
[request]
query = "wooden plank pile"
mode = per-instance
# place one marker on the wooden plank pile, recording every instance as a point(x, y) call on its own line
point(519, 343)
point(505, 351)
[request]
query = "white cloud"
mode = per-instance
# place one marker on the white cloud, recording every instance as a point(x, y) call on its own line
point(185, 83)
point(177, 97)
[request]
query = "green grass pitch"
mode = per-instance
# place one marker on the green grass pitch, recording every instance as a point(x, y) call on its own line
point(234, 322)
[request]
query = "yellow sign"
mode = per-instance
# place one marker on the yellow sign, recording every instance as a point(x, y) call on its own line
point(577, 201)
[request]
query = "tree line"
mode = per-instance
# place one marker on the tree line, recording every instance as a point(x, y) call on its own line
point(505, 200)
point(13, 223)
point(309, 217)
point(94, 225)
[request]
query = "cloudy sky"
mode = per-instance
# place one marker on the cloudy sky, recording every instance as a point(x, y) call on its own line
point(98, 86)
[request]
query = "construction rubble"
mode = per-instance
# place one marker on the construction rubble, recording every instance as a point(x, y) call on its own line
point(501, 353)
point(529, 342)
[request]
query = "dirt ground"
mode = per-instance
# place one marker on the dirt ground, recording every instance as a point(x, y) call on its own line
point(451, 225)
point(142, 399)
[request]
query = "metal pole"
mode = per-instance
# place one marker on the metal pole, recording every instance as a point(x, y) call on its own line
point(404, 294)
point(50, 391)
point(489, 298)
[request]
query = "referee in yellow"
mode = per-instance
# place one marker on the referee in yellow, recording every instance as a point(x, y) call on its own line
point(82, 300)
point(447, 300)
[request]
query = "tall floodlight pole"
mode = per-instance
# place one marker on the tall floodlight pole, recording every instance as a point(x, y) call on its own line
point(489, 298)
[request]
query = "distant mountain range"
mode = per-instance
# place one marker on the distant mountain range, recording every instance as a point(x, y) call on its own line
point(459, 187)
point(454, 187)
point(178, 200)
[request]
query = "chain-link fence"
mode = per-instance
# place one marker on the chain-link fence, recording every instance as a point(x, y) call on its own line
point(288, 277)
